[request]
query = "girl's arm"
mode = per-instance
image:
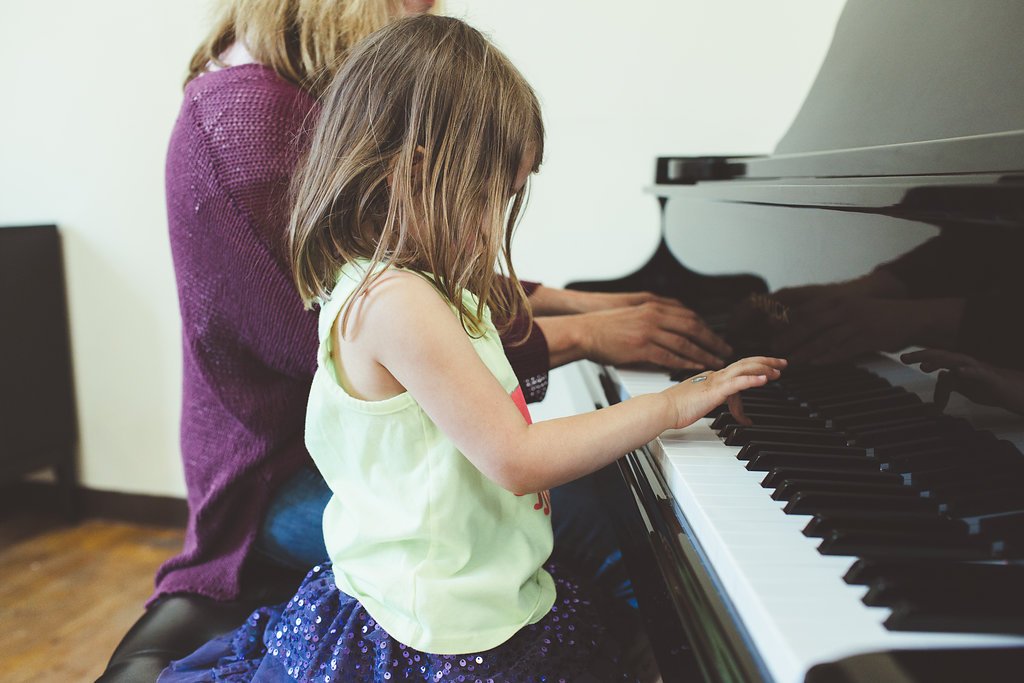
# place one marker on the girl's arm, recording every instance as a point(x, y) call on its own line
point(408, 331)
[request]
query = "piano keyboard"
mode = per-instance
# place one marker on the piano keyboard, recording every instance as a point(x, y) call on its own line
point(790, 597)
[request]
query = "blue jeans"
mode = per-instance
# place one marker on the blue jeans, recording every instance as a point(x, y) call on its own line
point(292, 532)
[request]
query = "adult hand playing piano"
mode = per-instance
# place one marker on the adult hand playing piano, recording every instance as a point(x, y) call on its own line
point(648, 330)
point(978, 381)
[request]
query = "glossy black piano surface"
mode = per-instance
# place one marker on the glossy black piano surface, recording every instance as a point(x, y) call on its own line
point(918, 115)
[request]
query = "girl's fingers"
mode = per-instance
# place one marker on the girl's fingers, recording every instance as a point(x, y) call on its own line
point(736, 409)
point(733, 385)
point(757, 366)
point(754, 365)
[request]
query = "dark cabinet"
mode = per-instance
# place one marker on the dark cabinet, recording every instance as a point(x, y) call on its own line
point(37, 408)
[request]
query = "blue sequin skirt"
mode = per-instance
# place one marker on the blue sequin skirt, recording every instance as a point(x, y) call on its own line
point(324, 635)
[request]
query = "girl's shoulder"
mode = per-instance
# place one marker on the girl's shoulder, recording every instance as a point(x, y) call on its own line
point(395, 298)
point(383, 282)
point(407, 293)
point(389, 283)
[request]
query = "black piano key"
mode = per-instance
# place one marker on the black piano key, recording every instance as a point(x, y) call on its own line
point(974, 465)
point(904, 428)
point(777, 409)
point(852, 420)
point(891, 398)
point(1007, 525)
point(900, 545)
point(1009, 539)
point(964, 590)
point(777, 475)
point(926, 478)
point(829, 391)
point(865, 571)
point(790, 487)
point(890, 445)
point(828, 395)
point(739, 435)
point(762, 420)
point(825, 370)
point(987, 501)
point(816, 502)
point(916, 434)
point(829, 383)
point(717, 410)
point(768, 460)
point(755, 447)
point(984, 618)
point(834, 372)
point(918, 445)
point(974, 482)
point(928, 456)
point(912, 444)
point(770, 391)
point(901, 431)
point(908, 462)
point(823, 525)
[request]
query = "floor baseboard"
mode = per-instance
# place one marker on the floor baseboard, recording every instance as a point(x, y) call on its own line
point(139, 508)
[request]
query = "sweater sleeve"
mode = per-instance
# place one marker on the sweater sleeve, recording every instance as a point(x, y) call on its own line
point(529, 357)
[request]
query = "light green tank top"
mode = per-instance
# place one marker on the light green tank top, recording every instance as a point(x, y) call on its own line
point(444, 559)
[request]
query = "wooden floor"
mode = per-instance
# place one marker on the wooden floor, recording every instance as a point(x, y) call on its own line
point(69, 593)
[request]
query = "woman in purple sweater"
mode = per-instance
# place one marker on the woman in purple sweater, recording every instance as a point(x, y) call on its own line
point(249, 347)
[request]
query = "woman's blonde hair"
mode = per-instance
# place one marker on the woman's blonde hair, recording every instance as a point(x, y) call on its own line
point(304, 41)
point(413, 165)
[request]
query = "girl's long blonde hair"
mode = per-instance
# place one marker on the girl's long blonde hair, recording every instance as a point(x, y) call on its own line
point(413, 165)
point(304, 41)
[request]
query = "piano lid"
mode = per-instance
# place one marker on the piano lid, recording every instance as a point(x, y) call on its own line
point(913, 88)
point(912, 97)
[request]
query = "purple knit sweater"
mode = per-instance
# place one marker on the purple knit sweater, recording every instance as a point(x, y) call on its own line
point(249, 346)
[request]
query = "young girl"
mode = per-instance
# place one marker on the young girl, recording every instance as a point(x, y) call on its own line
point(439, 528)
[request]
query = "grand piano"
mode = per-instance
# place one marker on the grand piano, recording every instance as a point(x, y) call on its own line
point(857, 532)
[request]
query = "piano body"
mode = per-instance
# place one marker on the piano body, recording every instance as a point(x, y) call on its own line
point(916, 120)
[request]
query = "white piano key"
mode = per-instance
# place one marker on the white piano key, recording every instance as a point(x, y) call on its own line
point(792, 600)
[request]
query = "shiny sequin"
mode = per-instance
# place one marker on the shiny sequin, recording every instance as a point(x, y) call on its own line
point(343, 643)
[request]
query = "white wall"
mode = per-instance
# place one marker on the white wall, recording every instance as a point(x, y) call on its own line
point(92, 89)
point(624, 82)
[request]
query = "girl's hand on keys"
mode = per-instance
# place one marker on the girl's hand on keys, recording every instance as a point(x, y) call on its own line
point(693, 398)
